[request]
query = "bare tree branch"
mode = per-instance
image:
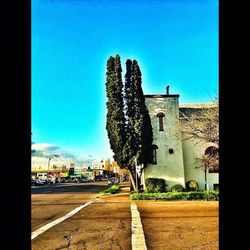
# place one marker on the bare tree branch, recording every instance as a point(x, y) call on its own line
point(203, 124)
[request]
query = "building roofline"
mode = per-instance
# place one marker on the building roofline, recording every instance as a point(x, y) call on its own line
point(197, 105)
point(155, 96)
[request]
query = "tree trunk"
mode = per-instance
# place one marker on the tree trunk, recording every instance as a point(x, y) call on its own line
point(139, 182)
point(132, 179)
point(131, 186)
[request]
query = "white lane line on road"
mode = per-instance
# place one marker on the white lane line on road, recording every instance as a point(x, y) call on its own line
point(138, 238)
point(53, 223)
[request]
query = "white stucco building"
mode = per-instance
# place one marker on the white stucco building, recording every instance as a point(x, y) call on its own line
point(174, 155)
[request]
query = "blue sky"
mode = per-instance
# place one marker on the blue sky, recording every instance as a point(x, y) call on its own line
point(175, 42)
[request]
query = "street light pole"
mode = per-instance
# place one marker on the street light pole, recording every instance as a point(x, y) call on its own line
point(136, 179)
point(136, 182)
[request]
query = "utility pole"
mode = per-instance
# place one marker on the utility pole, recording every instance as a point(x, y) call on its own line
point(49, 163)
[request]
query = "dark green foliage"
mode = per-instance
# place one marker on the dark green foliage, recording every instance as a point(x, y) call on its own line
point(177, 188)
point(110, 190)
point(115, 123)
point(129, 149)
point(128, 122)
point(139, 135)
point(195, 195)
point(143, 124)
point(155, 185)
point(192, 185)
point(211, 195)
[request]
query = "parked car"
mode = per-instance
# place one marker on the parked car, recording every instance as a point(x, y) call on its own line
point(113, 181)
point(90, 178)
point(58, 180)
point(33, 182)
point(64, 180)
point(51, 180)
point(74, 179)
point(39, 182)
point(80, 180)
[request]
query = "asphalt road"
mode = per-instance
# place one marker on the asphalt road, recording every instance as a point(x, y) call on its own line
point(69, 188)
point(104, 224)
point(54, 201)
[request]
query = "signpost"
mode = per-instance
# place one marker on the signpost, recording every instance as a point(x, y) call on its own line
point(71, 169)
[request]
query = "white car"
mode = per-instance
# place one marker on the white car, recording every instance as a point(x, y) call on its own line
point(113, 181)
point(51, 180)
point(39, 182)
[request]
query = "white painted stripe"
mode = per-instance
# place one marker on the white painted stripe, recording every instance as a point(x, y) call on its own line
point(53, 223)
point(138, 238)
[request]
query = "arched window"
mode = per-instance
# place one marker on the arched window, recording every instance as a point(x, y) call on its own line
point(212, 156)
point(160, 115)
point(154, 160)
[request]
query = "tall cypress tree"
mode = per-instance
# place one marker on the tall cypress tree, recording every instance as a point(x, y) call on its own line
point(142, 124)
point(115, 123)
point(129, 135)
point(129, 149)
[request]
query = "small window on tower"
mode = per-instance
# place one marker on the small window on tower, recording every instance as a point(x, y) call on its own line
point(171, 151)
point(160, 116)
point(154, 160)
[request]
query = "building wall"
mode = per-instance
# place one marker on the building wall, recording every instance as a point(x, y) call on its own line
point(114, 166)
point(193, 149)
point(107, 165)
point(169, 166)
point(98, 165)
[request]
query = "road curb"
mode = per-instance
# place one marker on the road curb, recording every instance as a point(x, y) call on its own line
point(138, 238)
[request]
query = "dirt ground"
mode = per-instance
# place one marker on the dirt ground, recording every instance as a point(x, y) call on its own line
point(177, 225)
